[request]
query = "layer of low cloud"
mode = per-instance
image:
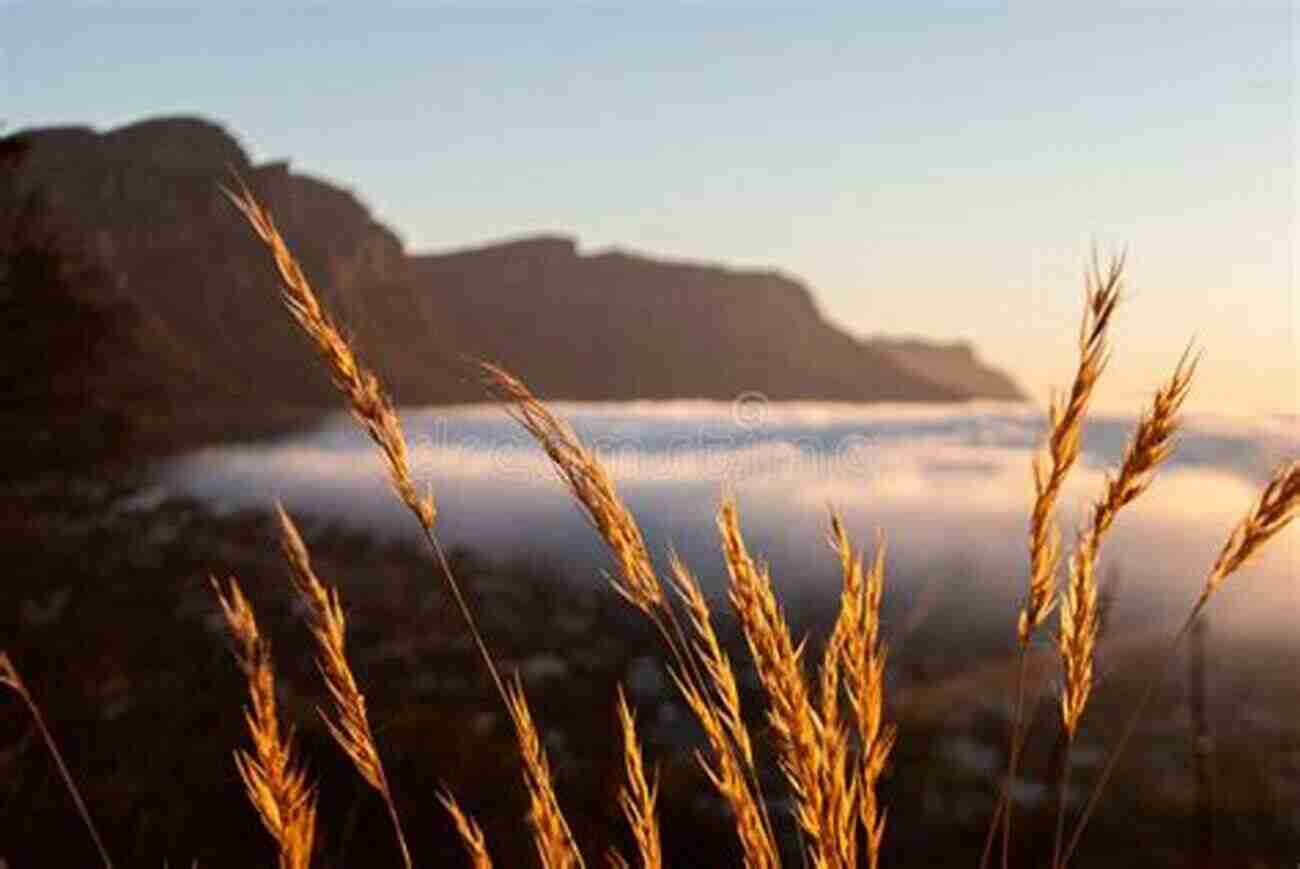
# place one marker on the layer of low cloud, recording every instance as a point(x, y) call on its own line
point(950, 488)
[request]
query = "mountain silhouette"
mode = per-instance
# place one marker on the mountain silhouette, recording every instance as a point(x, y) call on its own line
point(132, 291)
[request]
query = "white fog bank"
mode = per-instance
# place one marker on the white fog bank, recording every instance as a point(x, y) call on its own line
point(949, 486)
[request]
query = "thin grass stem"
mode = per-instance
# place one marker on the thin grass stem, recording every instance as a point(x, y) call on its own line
point(9, 676)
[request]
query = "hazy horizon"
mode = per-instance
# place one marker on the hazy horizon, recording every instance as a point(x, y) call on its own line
point(936, 173)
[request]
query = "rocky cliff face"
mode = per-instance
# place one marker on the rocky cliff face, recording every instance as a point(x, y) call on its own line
point(952, 364)
point(617, 325)
point(167, 268)
point(143, 208)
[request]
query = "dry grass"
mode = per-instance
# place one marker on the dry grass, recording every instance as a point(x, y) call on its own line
point(827, 718)
point(856, 638)
point(1151, 444)
point(554, 841)
point(812, 755)
point(592, 487)
point(13, 680)
point(371, 407)
point(365, 395)
point(471, 835)
point(1065, 437)
point(1080, 610)
point(714, 699)
point(349, 724)
point(1066, 416)
point(1276, 507)
point(274, 780)
point(702, 672)
point(638, 796)
point(834, 795)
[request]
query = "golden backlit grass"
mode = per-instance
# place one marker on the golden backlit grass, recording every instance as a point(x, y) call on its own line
point(827, 717)
point(1152, 442)
point(348, 722)
point(639, 796)
point(836, 804)
point(1066, 416)
point(471, 835)
point(274, 779)
point(1080, 609)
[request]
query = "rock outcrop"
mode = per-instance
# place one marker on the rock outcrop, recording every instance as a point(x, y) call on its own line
point(124, 243)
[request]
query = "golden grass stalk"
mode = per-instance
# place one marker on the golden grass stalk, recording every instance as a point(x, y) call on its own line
point(716, 664)
point(371, 407)
point(471, 835)
point(732, 778)
point(591, 485)
point(845, 621)
point(703, 674)
point(273, 778)
point(1065, 438)
point(797, 726)
point(1077, 640)
point(10, 677)
point(716, 705)
point(638, 796)
point(551, 836)
point(1065, 416)
point(365, 395)
point(1150, 445)
point(1152, 442)
point(856, 638)
point(835, 736)
point(349, 724)
point(1272, 511)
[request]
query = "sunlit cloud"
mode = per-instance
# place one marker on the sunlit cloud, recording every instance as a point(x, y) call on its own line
point(949, 485)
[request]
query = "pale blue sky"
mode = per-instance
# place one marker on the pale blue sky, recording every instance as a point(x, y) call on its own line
point(937, 171)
